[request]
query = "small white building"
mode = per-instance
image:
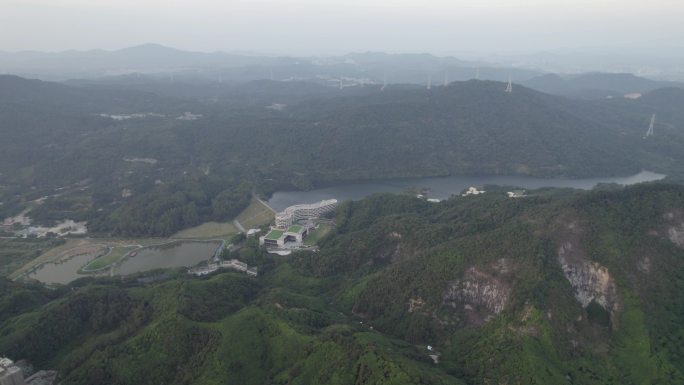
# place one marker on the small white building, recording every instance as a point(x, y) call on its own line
point(516, 194)
point(472, 191)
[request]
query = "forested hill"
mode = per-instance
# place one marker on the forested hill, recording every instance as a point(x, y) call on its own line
point(560, 287)
point(475, 127)
point(596, 85)
point(39, 95)
point(299, 135)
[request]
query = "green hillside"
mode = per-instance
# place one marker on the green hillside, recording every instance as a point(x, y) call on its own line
point(560, 287)
point(155, 174)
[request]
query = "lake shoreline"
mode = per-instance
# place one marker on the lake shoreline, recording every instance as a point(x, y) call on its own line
point(443, 187)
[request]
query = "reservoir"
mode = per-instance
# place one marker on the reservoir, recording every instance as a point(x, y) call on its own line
point(442, 187)
point(169, 255)
point(62, 271)
point(174, 254)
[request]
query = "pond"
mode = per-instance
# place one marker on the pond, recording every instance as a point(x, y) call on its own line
point(174, 254)
point(64, 270)
point(169, 255)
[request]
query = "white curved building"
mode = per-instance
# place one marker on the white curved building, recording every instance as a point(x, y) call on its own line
point(292, 214)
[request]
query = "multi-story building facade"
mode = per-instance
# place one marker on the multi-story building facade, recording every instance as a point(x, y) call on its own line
point(292, 214)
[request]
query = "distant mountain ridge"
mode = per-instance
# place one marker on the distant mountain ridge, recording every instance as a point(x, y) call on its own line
point(596, 85)
point(161, 60)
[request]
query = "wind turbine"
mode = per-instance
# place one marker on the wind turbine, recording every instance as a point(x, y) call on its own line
point(650, 126)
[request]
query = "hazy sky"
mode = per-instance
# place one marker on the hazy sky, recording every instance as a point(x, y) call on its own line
point(339, 26)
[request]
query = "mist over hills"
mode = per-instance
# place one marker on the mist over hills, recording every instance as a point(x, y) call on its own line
point(160, 69)
point(153, 59)
point(554, 286)
point(468, 127)
point(351, 192)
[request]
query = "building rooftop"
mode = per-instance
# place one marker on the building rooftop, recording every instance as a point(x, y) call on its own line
point(274, 234)
point(6, 362)
point(295, 229)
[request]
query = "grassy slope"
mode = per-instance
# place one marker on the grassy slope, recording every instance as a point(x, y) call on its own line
point(255, 215)
point(209, 230)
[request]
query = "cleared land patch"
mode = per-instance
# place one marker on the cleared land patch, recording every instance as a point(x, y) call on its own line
point(208, 230)
point(255, 215)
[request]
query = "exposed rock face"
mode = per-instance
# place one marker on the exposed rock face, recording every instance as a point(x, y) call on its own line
point(480, 294)
point(589, 280)
point(676, 235)
point(415, 304)
point(675, 227)
point(644, 264)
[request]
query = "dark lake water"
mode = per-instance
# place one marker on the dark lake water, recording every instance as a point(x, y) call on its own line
point(63, 271)
point(175, 254)
point(442, 187)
